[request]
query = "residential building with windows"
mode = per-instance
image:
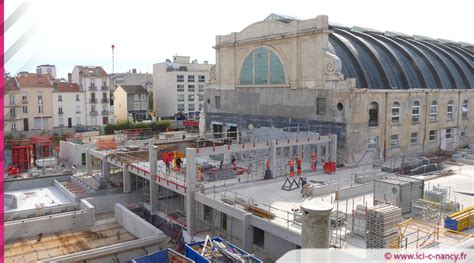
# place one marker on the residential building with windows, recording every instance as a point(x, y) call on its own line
point(132, 77)
point(383, 94)
point(94, 81)
point(36, 101)
point(69, 105)
point(46, 69)
point(131, 103)
point(178, 86)
point(12, 107)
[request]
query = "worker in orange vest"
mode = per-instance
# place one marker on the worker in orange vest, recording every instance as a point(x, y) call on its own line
point(298, 166)
point(292, 168)
point(314, 161)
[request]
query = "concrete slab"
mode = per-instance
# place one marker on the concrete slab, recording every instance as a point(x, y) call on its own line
point(34, 198)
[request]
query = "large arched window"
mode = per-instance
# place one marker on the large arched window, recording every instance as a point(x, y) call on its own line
point(373, 114)
point(262, 66)
point(396, 112)
point(415, 114)
point(450, 110)
point(465, 109)
point(434, 110)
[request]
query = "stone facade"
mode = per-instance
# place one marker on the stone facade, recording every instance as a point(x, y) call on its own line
point(315, 92)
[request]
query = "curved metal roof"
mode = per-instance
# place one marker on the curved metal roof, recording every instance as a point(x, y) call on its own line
point(394, 61)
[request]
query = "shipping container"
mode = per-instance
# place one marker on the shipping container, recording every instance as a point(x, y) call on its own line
point(398, 191)
point(163, 256)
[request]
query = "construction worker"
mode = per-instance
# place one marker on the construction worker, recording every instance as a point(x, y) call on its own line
point(305, 190)
point(298, 166)
point(314, 161)
point(167, 163)
point(292, 168)
point(178, 162)
point(268, 172)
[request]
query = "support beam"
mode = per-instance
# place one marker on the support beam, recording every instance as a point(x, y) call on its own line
point(105, 170)
point(88, 162)
point(273, 158)
point(333, 149)
point(153, 171)
point(191, 188)
point(247, 233)
point(318, 152)
point(127, 181)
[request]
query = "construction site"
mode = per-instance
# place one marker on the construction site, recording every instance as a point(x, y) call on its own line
point(138, 193)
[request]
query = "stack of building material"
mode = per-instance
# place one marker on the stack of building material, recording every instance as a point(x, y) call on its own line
point(437, 194)
point(398, 191)
point(359, 221)
point(382, 225)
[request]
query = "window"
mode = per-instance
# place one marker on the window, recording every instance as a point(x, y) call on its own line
point(320, 106)
point(465, 109)
point(415, 114)
point(200, 97)
point(191, 88)
point(136, 106)
point(464, 131)
point(60, 110)
point(218, 102)
point(262, 66)
point(61, 121)
point(202, 78)
point(180, 97)
point(136, 97)
point(180, 78)
point(394, 141)
point(25, 109)
point(191, 97)
point(414, 138)
point(60, 97)
point(191, 107)
point(180, 107)
point(200, 106)
point(143, 97)
point(12, 99)
point(191, 78)
point(78, 120)
point(23, 96)
point(12, 112)
point(144, 105)
point(450, 110)
point(449, 134)
point(77, 97)
point(201, 88)
point(373, 114)
point(180, 88)
point(40, 97)
point(78, 108)
point(396, 112)
point(13, 126)
point(432, 137)
point(40, 109)
point(434, 110)
point(93, 108)
point(372, 143)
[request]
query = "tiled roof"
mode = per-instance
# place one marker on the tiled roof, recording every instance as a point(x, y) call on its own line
point(92, 71)
point(10, 85)
point(34, 81)
point(66, 87)
point(134, 89)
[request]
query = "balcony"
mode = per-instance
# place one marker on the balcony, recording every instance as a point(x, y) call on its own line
point(105, 112)
point(93, 113)
point(92, 88)
point(24, 102)
point(104, 88)
point(93, 100)
point(104, 100)
point(61, 113)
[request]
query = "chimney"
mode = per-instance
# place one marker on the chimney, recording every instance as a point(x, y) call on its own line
point(69, 78)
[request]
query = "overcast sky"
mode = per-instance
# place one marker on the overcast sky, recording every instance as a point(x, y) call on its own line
point(81, 32)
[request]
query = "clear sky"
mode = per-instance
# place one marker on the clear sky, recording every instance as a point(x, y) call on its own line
point(69, 33)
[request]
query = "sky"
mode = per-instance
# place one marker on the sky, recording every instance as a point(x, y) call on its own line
point(68, 33)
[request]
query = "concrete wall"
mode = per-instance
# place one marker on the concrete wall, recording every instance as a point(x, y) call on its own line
point(31, 213)
point(66, 192)
point(72, 152)
point(135, 224)
point(84, 217)
point(276, 246)
point(104, 204)
point(14, 185)
point(120, 104)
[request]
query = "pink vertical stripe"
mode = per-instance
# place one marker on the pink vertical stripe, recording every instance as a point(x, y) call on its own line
point(2, 86)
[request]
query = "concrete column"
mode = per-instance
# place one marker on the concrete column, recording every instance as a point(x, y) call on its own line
point(127, 181)
point(190, 189)
point(105, 170)
point(316, 224)
point(318, 152)
point(88, 162)
point(247, 233)
point(153, 170)
point(326, 152)
point(333, 149)
point(273, 158)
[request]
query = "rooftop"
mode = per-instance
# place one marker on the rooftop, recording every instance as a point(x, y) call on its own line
point(34, 81)
point(134, 89)
point(66, 87)
point(92, 71)
point(34, 198)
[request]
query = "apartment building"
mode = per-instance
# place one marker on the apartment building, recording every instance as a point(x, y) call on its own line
point(131, 101)
point(46, 69)
point(69, 104)
point(94, 82)
point(13, 117)
point(179, 86)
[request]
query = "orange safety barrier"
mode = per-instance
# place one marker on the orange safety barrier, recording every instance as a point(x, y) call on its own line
point(106, 144)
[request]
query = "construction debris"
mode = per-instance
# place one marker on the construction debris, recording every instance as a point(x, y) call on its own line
point(382, 225)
